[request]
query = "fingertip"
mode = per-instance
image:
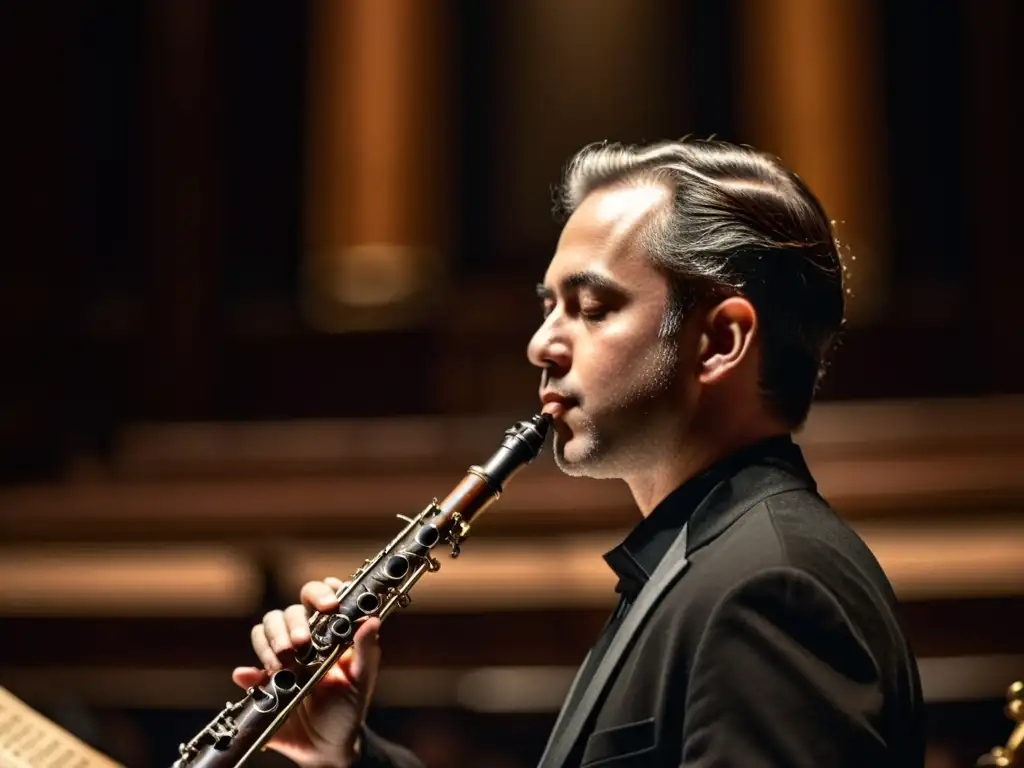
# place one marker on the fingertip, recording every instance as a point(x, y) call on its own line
point(246, 676)
point(372, 625)
point(369, 632)
point(333, 583)
point(325, 604)
point(319, 596)
point(367, 654)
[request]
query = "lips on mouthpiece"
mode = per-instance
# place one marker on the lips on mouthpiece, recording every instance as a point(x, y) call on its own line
point(554, 410)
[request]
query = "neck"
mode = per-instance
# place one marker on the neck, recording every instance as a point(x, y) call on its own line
point(694, 452)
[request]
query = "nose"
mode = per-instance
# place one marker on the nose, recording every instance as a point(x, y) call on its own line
point(549, 349)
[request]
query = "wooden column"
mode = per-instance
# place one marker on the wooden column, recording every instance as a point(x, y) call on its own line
point(572, 72)
point(378, 200)
point(567, 73)
point(41, 292)
point(811, 94)
point(183, 207)
point(994, 168)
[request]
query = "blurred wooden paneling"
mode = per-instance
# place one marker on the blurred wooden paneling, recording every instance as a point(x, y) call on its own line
point(979, 557)
point(147, 579)
point(497, 637)
point(315, 480)
point(174, 547)
point(508, 688)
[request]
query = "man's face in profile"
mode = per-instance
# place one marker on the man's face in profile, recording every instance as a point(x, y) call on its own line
point(600, 346)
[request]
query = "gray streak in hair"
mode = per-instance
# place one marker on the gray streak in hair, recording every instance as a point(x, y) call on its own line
point(742, 223)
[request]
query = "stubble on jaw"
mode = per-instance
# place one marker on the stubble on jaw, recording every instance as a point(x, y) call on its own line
point(611, 458)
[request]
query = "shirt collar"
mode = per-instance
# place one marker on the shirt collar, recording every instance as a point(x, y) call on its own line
point(639, 554)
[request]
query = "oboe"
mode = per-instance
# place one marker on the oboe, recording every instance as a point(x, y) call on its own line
point(382, 584)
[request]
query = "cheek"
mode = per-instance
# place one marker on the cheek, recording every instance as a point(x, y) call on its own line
point(612, 360)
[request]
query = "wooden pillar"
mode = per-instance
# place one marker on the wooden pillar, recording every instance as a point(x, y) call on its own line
point(993, 170)
point(43, 237)
point(572, 72)
point(811, 93)
point(378, 200)
point(183, 208)
point(567, 72)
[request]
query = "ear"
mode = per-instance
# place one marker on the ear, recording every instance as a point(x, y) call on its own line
point(727, 338)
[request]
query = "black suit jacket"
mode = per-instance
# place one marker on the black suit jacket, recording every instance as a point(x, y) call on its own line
point(768, 635)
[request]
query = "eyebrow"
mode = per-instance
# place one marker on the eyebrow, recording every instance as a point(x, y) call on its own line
point(578, 280)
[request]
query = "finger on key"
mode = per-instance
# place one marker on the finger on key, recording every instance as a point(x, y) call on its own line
point(318, 596)
point(277, 633)
point(264, 652)
point(297, 620)
point(336, 584)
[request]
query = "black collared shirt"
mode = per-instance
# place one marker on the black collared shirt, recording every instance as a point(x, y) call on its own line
point(640, 553)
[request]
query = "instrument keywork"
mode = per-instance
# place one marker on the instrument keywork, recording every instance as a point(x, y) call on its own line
point(381, 585)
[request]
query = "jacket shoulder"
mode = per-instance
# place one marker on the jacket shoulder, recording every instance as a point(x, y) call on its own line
point(795, 531)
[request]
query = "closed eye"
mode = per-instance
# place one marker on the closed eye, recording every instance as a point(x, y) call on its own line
point(588, 296)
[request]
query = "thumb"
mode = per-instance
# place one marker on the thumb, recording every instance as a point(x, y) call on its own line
point(362, 670)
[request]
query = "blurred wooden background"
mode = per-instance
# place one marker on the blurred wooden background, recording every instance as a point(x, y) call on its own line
point(268, 283)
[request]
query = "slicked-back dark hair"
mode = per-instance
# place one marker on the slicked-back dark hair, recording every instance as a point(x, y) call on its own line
point(740, 223)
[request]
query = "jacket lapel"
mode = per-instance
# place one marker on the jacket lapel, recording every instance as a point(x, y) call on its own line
point(564, 713)
point(563, 740)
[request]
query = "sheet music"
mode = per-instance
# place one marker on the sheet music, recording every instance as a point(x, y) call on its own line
point(29, 740)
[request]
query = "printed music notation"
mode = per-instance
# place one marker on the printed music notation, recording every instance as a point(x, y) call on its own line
point(29, 740)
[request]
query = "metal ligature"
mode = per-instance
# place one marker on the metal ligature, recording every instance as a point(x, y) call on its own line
point(382, 584)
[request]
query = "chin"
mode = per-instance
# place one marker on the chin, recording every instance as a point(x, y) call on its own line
point(576, 457)
point(571, 468)
point(565, 457)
